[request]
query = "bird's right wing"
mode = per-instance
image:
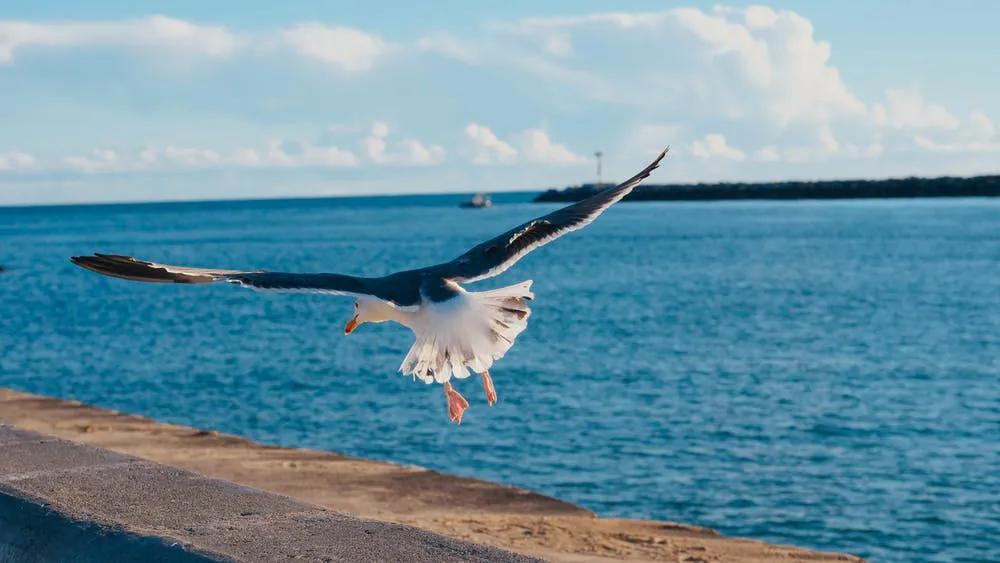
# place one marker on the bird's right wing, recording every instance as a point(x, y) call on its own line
point(129, 268)
point(494, 256)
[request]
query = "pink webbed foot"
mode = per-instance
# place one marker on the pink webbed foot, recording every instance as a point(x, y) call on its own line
point(456, 403)
point(491, 392)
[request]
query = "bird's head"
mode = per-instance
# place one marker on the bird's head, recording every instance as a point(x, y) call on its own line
point(368, 311)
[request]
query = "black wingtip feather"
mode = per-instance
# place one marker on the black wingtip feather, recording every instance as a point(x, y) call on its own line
point(126, 267)
point(645, 172)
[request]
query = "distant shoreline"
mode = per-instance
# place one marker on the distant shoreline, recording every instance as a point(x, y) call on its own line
point(895, 188)
point(978, 186)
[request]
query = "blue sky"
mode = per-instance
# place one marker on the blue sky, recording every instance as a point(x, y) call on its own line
point(125, 101)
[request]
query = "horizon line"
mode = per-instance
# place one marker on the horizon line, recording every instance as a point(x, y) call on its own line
point(460, 193)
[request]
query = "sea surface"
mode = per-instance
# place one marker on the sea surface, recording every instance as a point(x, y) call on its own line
point(824, 374)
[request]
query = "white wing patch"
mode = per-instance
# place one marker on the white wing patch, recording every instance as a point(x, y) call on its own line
point(307, 290)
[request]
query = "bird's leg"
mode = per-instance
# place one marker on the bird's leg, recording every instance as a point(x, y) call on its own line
point(491, 393)
point(456, 403)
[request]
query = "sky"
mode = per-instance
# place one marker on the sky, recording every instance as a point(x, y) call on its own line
point(114, 100)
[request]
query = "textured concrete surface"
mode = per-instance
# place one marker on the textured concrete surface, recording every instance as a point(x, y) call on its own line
point(63, 501)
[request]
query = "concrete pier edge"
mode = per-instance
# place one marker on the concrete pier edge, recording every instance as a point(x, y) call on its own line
point(64, 501)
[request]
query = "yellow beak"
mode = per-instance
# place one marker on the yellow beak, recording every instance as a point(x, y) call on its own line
point(351, 325)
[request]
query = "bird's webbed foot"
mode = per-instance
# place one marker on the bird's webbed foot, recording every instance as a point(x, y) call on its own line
point(491, 392)
point(456, 403)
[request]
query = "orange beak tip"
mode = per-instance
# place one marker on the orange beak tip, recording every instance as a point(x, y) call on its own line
point(351, 325)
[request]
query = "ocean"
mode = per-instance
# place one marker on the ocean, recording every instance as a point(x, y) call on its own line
point(824, 374)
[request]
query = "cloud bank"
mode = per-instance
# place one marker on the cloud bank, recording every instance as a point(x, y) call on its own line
point(742, 93)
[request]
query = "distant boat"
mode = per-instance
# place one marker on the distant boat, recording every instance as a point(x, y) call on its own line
point(478, 201)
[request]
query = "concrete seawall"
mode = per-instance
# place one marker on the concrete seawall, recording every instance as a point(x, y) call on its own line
point(464, 509)
point(63, 501)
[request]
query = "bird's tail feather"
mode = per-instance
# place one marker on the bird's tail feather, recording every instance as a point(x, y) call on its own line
point(477, 331)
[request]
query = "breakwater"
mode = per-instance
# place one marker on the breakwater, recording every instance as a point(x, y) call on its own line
point(978, 186)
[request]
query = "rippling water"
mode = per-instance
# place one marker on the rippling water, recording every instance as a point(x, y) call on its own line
point(820, 374)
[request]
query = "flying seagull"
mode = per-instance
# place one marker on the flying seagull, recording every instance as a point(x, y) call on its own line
point(457, 331)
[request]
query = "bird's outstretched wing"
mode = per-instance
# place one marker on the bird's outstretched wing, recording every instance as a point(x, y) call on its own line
point(129, 268)
point(494, 256)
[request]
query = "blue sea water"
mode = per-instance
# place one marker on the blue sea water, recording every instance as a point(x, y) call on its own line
point(822, 374)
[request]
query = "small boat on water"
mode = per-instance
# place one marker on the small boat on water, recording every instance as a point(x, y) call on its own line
point(478, 201)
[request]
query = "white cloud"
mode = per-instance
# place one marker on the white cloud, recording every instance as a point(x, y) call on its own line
point(752, 68)
point(181, 156)
point(820, 145)
point(872, 150)
point(760, 17)
point(645, 140)
point(155, 33)
point(380, 129)
point(375, 142)
point(413, 152)
point(100, 160)
point(714, 145)
point(330, 156)
point(295, 155)
point(489, 148)
point(276, 154)
point(450, 47)
point(533, 145)
point(931, 145)
point(559, 45)
point(907, 109)
point(767, 154)
point(755, 69)
point(824, 148)
point(979, 126)
point(784, 67)
point(417, 153)
point(730, 62)
point(13, 161)
point(630, 82)
point(536, 146)
point(349, 49)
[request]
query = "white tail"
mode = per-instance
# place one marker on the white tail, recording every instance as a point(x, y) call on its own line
point(467, 333)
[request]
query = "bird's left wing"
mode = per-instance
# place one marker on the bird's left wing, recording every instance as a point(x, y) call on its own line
point(129, 268)
point(494, 256)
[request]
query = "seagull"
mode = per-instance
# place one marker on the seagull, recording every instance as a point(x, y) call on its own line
point(456, 331)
